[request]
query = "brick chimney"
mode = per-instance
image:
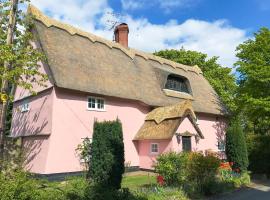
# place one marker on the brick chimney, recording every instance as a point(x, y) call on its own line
point(121, 34)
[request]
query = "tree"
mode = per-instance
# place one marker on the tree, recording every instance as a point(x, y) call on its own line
point(236, 149)
point(254, 80)
point(107, 159)
point(18, 58)
point(221, 78)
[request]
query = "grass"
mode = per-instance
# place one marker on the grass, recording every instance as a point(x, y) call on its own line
point(134, 182)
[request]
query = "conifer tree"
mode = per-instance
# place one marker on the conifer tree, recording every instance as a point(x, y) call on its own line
point(236, 149)
point(107, 155)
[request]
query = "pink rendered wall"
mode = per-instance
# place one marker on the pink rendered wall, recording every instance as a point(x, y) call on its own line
point(212, 128)
point(36, 150)
point(148, 159)
point(72, 122)
point(21, 93)
point(36, 121)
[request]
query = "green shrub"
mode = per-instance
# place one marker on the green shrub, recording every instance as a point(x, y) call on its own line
point(236, 149)
point(75, 188)
point(259, 153)
point(17, 185)
point(192, 171)
point(172, 166)
point(107, 161)
point(162, 193)
point(98, 192)
point(203, 170)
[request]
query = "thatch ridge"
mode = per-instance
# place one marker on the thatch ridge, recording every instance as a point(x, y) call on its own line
point(38, 15)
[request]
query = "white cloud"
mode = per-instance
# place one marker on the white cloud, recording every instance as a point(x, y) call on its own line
point(168, 5)
point(165, 6)
point(216, 38)
point(131, 4)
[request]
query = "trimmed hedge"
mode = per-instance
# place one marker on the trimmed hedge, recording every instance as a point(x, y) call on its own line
point(107, 155)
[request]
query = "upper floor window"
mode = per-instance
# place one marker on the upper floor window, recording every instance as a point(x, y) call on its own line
point(96, 103)
point(25, 106)
point(177, 83)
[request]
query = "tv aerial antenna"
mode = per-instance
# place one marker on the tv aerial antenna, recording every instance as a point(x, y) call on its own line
point(113, 22)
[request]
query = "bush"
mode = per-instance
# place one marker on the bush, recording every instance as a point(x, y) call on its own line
point(192, 171)
point(172, 166)
point(98, 192)
point(107, 159)
point(162, 193)
point(236, 149)
point(202, 170)
point(259, 153)
point(17, 185)
point(75, 188)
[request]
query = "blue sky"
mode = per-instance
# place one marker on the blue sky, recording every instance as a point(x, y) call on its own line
point(214, 27)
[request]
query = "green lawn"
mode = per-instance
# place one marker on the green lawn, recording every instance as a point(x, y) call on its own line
point(133, 182)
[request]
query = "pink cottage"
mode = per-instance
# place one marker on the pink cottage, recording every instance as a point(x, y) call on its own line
point(163, 106)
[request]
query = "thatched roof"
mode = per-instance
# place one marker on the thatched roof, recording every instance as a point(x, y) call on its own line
point(162, 123)
point(84, 62)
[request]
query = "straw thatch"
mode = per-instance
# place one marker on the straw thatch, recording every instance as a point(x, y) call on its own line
point(84, 62)
point(162, 123)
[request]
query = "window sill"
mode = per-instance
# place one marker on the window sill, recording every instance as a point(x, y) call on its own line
point(177, 94)
point(89, 109)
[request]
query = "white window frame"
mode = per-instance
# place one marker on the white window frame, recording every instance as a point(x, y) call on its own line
point(25, 106)
point(96, 103)
point(151, 148)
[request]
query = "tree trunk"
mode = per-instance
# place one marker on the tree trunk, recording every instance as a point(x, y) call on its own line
point(5, 84)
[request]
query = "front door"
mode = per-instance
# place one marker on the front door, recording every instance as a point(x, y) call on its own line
point(186, 143)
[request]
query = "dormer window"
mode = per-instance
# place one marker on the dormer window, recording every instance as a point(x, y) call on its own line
point(177, 83)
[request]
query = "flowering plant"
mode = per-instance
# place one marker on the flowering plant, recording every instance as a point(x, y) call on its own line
point(160, 180)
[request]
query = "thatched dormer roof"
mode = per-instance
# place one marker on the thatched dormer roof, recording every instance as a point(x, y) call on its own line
point(81, 61)
point(162, 123)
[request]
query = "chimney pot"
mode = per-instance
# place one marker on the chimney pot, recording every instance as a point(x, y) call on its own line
point(121, 34)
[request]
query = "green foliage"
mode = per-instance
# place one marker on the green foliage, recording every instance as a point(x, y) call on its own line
point(17, 185)
point(107, 159)
point(254, 80)
point(236, 149)
point(75, 188)
point(232, 179)
point(163, 193)
point(85, 150)
point(219, 77)
point(202, 170)
point(192, 171)
point(22, 56)
point(172, 166)
point(99, 192)
point(259, 153)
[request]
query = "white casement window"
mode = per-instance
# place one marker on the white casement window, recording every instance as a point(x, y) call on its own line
point(25, 106)
point(96, 103)
point(154, 148)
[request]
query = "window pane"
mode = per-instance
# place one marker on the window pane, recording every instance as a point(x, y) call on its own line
point(91, 103)
point(186, 142)
point(154, 148)
point(177, 84)
point(100, 104)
